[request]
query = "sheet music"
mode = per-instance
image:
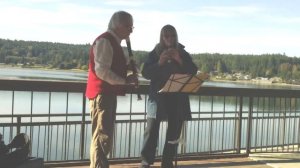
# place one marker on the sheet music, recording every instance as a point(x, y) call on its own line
point(184, 83)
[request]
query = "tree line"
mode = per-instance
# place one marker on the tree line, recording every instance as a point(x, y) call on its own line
point(75, 56)
point(265, 65)
point(47, 54)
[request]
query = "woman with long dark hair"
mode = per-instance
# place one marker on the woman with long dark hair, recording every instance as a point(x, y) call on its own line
point(168, 57)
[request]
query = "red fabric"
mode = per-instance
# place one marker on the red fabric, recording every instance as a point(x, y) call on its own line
point(96, 85)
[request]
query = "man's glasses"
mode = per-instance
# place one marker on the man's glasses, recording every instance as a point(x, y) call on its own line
point(129, 27)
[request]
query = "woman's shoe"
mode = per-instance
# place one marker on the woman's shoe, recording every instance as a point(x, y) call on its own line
point(167, 165)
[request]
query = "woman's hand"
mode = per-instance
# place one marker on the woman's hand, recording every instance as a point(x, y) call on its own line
point(168, 55)
point(174, 54)
point(164, 57)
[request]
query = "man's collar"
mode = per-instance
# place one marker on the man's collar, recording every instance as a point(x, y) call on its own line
point(115, 36)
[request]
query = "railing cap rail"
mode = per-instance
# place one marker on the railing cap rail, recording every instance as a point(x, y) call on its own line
point(79, 86)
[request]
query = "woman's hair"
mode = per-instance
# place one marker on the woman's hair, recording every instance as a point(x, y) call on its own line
point(166, 29)
point(118, 18)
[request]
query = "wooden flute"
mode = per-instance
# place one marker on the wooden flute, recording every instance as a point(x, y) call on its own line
point(133, 65)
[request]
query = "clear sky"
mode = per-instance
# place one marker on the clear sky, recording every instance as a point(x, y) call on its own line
point(204, 26)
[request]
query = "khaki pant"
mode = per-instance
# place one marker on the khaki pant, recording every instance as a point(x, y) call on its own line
point(103, 114)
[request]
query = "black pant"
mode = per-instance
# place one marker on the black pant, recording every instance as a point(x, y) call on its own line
point(151, 137)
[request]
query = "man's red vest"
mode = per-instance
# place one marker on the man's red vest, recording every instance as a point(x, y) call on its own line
point(96, 85)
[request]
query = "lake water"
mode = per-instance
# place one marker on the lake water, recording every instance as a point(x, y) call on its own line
point(40, 105)
point(63, 75)
point(41, 74)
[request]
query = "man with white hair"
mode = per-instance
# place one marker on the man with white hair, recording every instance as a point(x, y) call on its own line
point(107, 78)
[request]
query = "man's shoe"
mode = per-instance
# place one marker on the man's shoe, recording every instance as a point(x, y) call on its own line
point(144, 166)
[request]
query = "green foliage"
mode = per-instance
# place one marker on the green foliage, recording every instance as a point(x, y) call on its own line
point(51, 55)
point(266, 65)
point(47, 54)
point(70, 56)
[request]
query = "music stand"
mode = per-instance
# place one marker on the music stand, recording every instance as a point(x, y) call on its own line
point(185, 83)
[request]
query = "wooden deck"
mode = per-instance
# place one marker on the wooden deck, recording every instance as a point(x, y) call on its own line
point(258, 160)
point(241, 162)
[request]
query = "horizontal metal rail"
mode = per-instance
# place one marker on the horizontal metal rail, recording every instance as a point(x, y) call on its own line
point(225, 121)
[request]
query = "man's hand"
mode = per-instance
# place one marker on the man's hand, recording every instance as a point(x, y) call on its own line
point(132, 80)
point(203, 75)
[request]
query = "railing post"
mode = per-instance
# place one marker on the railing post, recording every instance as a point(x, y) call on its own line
point(130, 126)
point(283, 134)
point(18, 125)
point(249, 127)
point(183, 132)
point(239, 126)
point(82, 141)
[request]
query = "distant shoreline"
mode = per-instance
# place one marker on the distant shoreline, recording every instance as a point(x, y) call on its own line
point(253, 82)
point(40, 67)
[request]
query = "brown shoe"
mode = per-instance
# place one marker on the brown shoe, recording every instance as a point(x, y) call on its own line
point(144, 166)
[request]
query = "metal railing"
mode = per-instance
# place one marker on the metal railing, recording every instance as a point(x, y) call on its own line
point(225, 121)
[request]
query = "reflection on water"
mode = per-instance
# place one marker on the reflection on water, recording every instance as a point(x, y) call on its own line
point(40, 74)
point(67, 75)
point(231, 84)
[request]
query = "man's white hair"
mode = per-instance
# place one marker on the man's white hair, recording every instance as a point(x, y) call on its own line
point(118, 18)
